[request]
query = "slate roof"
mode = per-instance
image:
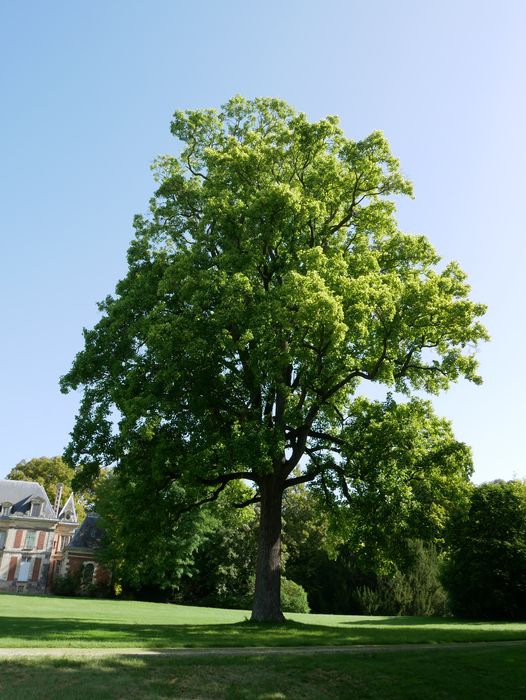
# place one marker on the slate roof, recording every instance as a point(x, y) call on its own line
point(89, 534)
point(19, 493)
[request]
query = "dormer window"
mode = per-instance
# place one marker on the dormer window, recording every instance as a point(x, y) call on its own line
point(67, 515)
point(6, 508)
point(36, 509)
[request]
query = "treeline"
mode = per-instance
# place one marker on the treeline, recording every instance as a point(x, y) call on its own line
point(474, 566)
point(449, 548)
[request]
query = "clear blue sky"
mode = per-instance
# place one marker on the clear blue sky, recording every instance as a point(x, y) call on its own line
point(88, 90)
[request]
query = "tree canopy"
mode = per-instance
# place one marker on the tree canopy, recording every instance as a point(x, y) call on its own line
point(267, 282)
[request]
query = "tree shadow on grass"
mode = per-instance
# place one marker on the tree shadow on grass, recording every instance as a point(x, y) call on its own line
point(468, 673)
point(411, 621)
point(160, 679)
point(26, 632)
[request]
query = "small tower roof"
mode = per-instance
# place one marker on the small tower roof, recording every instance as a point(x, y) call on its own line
point(68, 507)
point(89, 534)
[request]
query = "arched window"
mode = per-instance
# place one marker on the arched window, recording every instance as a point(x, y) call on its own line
point(88, 573)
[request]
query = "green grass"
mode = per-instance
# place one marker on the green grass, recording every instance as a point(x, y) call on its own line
point(27, 621)
point(481, 674)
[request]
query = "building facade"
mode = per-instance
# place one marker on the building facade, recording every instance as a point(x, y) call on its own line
point(81, 555)
point(34, 536)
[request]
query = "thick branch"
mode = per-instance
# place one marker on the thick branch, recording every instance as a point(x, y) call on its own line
point(327, 436)
point(360, 373)
point(303, 479)
point(406, 362)
point(227, 478)
point(210, 499)
point(429, 368)
point(348, 378)
point(196, 173)
point(343, 483)
point(248, 502)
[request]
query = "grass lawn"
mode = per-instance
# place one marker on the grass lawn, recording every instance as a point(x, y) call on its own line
point(483, 673)
point(33, 621)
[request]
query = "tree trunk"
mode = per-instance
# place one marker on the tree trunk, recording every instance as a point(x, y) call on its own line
point(267, 603)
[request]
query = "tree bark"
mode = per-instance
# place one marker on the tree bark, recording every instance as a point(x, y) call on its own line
point(267, 602)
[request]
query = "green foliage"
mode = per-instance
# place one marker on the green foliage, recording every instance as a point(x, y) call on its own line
point(270, 245)
point(71, 584)
point(222, 570)
point(305, 523)
point(268, 281)
point(486, 574)
point(314, 557)
point(49, 472)
point(415, 591)
point(339, 579)
point(293, 597)
point(154, 543)
point(403, 476)
point(423, 576)
point(67, 585)
point(148, 540)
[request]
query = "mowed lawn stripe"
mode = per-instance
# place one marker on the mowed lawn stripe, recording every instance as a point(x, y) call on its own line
point(32, 621)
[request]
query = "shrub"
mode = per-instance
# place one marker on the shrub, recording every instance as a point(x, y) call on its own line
point(293, 597)
point(68, 585)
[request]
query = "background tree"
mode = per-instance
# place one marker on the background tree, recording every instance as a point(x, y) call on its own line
point(413, 589)
point(49, 472)
point(222, 571)
point(269, 280)
point(486, 573)
point(402, 476)
point(148, 544)
point(378, 546)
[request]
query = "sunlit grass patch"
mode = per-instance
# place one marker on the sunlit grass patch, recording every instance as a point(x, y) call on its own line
point(77, 622)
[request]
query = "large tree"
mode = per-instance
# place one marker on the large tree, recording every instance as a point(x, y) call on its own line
point(268, 281)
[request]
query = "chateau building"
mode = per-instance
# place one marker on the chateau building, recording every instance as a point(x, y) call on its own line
point(34, 536)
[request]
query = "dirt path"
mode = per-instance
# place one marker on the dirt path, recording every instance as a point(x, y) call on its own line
point(77, 652)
